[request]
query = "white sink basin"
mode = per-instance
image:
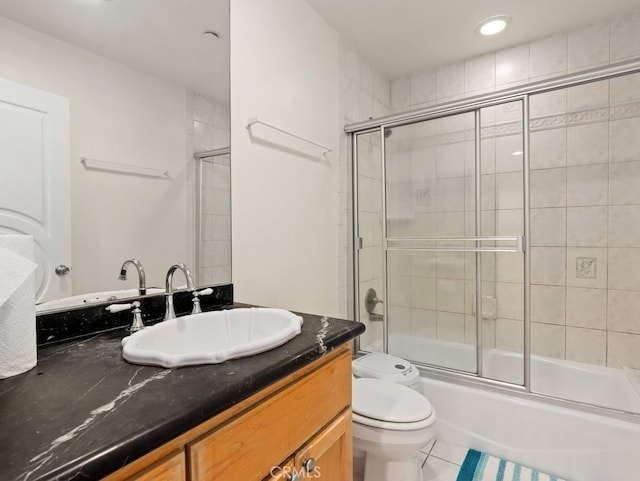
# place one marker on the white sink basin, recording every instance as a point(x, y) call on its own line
point(211, 337)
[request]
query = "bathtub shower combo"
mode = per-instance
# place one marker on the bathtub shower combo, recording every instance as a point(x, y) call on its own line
point(497, 246)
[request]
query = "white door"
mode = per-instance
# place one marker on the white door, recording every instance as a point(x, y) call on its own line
point(34, 180)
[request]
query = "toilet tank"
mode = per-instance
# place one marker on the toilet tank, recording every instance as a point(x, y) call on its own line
point(385, 366)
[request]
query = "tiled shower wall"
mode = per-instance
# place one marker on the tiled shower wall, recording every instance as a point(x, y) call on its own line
point(592, 200)
point(208, 128)
point(585, 161)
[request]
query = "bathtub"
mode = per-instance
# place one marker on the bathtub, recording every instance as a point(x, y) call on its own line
point(570, 443)
point(575, 443)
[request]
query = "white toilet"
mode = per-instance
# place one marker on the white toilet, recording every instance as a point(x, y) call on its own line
point(392, 420)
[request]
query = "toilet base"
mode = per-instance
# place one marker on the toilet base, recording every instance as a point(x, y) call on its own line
point(380, 469)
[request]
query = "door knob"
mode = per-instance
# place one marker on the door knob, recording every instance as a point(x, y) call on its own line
point(62, 270)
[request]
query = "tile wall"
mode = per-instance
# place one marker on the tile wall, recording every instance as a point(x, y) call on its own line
point(208, 128)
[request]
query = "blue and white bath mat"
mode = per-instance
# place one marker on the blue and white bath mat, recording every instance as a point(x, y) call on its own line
point(479, 466)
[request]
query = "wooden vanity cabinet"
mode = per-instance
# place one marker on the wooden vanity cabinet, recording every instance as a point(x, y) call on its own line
point(273, 433)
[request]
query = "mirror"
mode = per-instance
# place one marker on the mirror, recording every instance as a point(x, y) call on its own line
point(148, 87)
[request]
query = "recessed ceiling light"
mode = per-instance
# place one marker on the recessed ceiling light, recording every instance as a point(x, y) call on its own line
point(211, 33)
point(493, 25)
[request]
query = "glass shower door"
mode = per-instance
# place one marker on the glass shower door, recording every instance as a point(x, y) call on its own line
point(453, 189)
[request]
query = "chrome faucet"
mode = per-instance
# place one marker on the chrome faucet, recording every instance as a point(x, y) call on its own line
point(142, 286)
point(169, 312)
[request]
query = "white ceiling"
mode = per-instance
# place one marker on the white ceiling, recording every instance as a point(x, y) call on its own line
point(161, 37)
point(401, 37)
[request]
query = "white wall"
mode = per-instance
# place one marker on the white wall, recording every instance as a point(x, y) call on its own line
point(284, 70)
point(122, 115)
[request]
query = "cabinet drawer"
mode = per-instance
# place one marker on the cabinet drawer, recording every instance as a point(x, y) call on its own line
point(172, 468)
point(248, 446)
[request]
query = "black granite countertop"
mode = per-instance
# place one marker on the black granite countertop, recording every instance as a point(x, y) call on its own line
point(83, 412)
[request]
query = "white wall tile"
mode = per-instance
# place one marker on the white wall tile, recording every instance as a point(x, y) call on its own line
point(623, 349)
point(587, 226)
point(588, 144)
point(423, 323)
point(548, 304)
point(401, 93)
point(589, 46)
point(512, 65)
point(625, 141)
point(480, 74)
point(510, 222)
point(588, 96)
point(450, 82)
point(423, 293)
point(587, 307)
point(548, 340)
point(509, 190)
point(623, 309)
point(423, 88)
point(548, 188)
point(509, 267)
point(203, 109)
point(450, 296)
point(623, 183)
point(548, 148)
point(625, 37)
point(450, 224)
point(624, 226)
point(548, 103)
point(510, 300)
point(505, 147)
point(451, 194)
point(510, 335)
point(451, 265)
point(548, 56)
point(625, 89)
point(587, 345)
point(587, 185)
point(400, 319)
point(548, 265)
point(450, 326)
point(587, 267)
point(624, 269)
point(548, 227)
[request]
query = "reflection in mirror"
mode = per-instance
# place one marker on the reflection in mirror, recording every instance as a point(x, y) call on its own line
point(147, 88)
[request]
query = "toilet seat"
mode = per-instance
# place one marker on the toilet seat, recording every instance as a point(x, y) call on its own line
point(387, 405)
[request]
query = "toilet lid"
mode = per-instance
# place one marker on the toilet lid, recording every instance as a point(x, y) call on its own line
point(388, 401)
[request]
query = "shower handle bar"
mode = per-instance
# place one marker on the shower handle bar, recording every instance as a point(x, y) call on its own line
point(518, 247)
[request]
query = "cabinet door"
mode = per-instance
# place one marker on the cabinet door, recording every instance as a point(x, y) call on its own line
point(248, 447)
point(329, 454)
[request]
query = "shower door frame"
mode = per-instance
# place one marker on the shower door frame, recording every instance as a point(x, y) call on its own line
point(521, 93)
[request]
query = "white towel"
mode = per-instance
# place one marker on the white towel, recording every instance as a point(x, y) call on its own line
point(18, 351)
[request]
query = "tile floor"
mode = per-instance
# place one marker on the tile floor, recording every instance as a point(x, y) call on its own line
point(442, 461)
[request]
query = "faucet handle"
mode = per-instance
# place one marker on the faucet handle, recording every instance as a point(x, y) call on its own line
point(137, 323)
point(196, 299)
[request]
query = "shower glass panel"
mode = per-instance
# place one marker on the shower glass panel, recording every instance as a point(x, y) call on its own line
point(369, 232)
point(430, 190)
point(440, 208)
point(502, 215)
